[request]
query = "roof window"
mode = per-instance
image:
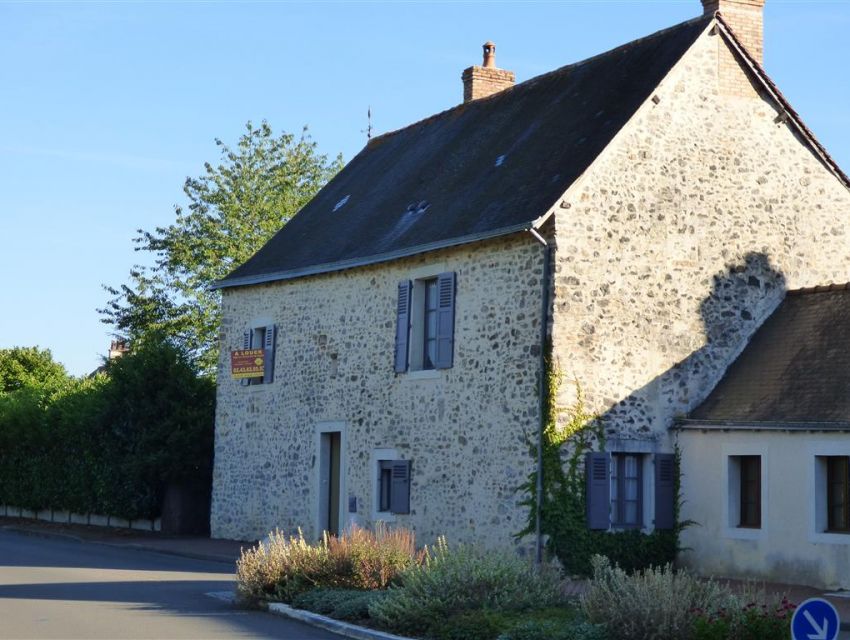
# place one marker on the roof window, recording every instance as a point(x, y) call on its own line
point(339, 205)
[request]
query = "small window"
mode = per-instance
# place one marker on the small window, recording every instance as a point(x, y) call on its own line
point(258, 341)
point(264, 338)
point(750, 493)
point(837, 494)
point(394, 486)
point(626, 491)
point(385, 483)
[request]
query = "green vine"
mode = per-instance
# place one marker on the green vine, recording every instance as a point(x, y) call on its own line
point(566, 440)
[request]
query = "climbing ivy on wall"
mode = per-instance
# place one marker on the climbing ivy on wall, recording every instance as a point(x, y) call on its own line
point(566, 440)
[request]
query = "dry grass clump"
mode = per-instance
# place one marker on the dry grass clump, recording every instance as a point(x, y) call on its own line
point(282, 567)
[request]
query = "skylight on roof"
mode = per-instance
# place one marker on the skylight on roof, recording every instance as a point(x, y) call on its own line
point(500, 160)
point(339, 205)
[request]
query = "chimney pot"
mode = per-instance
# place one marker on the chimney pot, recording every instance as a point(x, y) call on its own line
point(489, 55)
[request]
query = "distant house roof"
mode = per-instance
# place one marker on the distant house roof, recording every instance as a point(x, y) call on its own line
point(485, 168)
point(795, 372)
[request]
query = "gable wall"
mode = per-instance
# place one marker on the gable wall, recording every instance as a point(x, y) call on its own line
point(463, 428)
point(679, 242)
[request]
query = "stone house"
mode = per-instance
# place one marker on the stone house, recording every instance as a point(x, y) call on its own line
point(643, 212)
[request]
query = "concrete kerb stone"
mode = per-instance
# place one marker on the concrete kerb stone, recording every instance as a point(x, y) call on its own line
point(329, 624)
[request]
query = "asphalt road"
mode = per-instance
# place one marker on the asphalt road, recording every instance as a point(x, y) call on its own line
point(53, 588)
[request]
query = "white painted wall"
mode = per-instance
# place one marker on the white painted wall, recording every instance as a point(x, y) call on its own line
point(791, 541)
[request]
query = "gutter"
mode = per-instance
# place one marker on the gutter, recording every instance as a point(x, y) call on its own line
point(690, 424)
point(541, 399)
point(329, 267)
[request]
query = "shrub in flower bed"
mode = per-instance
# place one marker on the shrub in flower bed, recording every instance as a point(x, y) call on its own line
point(343, 604)
point(662, 604)
point(459, 579)
point(755, 621)
point(283, 567)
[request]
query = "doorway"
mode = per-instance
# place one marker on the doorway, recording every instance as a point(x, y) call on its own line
point(330, 476)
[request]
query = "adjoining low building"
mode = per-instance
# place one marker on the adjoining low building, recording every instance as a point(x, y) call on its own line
point(648, 207)
point(767, 455)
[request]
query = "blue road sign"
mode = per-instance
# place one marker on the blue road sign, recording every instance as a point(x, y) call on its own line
point(815, 619)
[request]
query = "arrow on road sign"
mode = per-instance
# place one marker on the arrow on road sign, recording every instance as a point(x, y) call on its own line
point(815, 619)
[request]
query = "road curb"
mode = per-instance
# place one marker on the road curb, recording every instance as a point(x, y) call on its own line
point(330, 624)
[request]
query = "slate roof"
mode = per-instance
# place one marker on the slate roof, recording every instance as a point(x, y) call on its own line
point(795, 370)
point(482, 169)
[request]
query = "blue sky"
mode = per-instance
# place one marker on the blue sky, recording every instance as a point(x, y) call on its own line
point(105, 108)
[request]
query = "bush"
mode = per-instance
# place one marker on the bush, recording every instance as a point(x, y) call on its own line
point(343, 604)
point(282, 568)
point(470, 625)
point(459, 579)
point(654, 603)
point(552, 630)
point(753, 621)
point(108, 444)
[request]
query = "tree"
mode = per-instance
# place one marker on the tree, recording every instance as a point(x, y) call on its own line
point(22, 367)
point(234, 208)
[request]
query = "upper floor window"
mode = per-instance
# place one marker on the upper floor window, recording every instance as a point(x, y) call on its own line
point(262, 337)
point(425, 324)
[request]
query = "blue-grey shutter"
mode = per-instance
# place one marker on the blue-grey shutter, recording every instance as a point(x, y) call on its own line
point(246, 344)
point(402, 327)
point(665, 490)
point(445, 320)
point(268, 356)
point(598, 491)
point(400, 487)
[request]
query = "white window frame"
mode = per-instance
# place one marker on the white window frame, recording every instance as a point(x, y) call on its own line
point(730, 474)
point(816, 488)
point(416, 333)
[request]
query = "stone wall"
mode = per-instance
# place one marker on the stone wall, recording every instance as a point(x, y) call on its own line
point(463, 428)
point(680, 240)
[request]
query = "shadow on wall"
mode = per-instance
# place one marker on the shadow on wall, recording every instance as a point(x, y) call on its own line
point(742, 297)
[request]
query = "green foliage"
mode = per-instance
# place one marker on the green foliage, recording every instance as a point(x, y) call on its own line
point(284, 567)
point(478, 624)
point(30, 367)
point(566, 440)
point(554, 629)
point(462, 578)
point(753, 621)
point(234, 208)
point(108, 444)
point(654, 603)
point(342, 604)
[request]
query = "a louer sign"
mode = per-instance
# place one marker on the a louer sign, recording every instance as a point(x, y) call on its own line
point(247, 363)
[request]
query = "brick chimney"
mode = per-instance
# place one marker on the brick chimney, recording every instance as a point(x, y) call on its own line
point(483, 81)
point(746, 18)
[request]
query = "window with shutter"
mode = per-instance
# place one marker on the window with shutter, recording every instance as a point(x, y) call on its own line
point(665, 491)
point(598, 491)
point(269, 336)
point(425, 322)
point(402, 330)
point(394, 486)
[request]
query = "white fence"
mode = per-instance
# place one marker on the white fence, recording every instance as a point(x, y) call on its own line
point(66, 517)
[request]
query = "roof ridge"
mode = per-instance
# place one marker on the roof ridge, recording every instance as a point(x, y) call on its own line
point(534, 79)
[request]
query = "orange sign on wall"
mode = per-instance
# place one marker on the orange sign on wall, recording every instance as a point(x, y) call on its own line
point(247, 363)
